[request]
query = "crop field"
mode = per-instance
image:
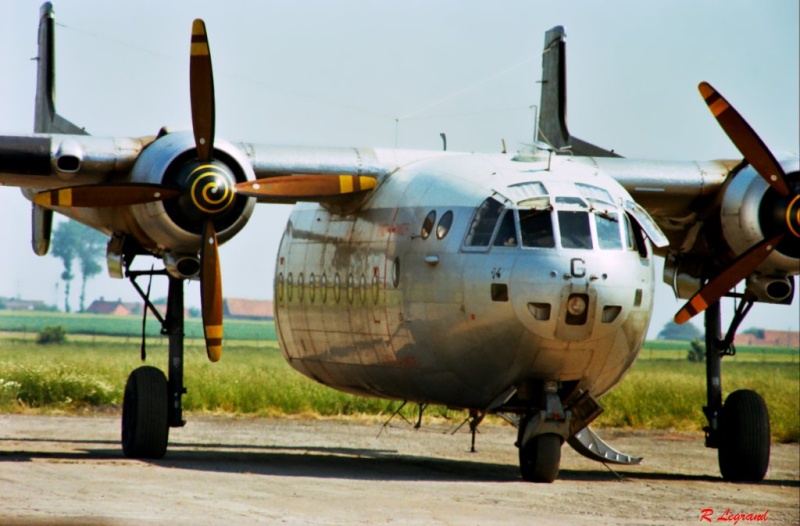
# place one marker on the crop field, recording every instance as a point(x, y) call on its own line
point(88, 372)
point(128, 326)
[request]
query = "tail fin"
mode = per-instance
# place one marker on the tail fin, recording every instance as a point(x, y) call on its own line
point(46, 120)
point(553, 128)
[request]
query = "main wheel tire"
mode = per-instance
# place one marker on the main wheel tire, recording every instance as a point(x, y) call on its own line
point(744, 439)
point(540, 457)
point(145, 425)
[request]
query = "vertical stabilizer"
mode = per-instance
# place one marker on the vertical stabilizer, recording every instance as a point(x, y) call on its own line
point(553, 128)
point(46, 120)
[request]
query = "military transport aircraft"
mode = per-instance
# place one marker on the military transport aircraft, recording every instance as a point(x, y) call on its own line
point(512, 284)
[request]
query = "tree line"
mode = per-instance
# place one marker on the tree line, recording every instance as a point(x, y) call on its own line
point(77, 245)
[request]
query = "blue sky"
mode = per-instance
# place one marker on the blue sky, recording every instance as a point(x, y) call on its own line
point(358, 73)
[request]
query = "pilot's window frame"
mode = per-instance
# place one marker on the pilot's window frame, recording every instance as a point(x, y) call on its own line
point(603, 223)
point(505, 238)
point(445, 223)
point(480, 218)
point(640, 237)
point(595, 193)
point(583, 236)
point(540, 238)
point(428, 224)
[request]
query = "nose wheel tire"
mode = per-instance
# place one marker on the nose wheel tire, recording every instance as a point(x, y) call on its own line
point(540, 457)
point(145, 426)
point(744, 444)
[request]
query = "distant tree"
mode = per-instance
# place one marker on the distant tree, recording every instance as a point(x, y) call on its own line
point(63, 248)
point(74, 241)
point(91, 249)
point(685, 332)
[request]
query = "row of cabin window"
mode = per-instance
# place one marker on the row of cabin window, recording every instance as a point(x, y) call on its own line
point(286, 287)
point(493, 221)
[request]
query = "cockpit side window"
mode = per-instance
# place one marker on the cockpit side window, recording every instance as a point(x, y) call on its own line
point(608, 233)
point(537, 228)
point(575, 229)
point(638, 239)
point(483, 223)
point(507, 233)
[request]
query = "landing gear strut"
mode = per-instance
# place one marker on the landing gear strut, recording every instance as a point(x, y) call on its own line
point(152, 404)
point(739, 429)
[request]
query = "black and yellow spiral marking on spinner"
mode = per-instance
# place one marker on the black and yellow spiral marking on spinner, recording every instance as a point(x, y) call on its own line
point(212, 188)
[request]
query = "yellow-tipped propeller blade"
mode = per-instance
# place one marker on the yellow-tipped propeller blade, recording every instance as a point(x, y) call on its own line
point(305, 187)
point(745, 138)
point(201, 80)
point(211, 292)
point(105, 195)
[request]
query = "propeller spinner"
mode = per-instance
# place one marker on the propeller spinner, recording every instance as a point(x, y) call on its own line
point(757, 154)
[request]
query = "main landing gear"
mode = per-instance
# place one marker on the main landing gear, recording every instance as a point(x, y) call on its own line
point(739, 429)
point(152, 404)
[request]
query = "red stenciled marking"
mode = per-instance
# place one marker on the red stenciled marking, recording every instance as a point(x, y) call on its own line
point(707, 515)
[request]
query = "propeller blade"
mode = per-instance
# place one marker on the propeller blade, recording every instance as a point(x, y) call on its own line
point(201, 83)
point(745, 139)
point(305, 187)
point(95, 195)
point(742, 267)
point(211, 292)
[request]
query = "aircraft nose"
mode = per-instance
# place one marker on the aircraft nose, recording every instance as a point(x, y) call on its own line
point(564, 300)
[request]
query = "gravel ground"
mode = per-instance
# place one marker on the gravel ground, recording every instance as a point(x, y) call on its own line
point(225, 470)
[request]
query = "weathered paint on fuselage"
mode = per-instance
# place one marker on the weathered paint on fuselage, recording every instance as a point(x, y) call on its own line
point(366, 304)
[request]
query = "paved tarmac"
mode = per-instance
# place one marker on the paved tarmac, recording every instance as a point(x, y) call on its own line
point(226, 470)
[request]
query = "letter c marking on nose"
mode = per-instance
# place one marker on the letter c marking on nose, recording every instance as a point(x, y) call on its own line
point(577, 267)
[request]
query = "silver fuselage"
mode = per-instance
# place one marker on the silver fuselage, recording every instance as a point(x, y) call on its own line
point(379, 303)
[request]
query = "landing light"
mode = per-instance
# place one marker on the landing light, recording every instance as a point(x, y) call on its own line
point(576, 305)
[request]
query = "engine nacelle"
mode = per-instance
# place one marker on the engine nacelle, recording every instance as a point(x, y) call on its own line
point(752, 211)
point(207, 191)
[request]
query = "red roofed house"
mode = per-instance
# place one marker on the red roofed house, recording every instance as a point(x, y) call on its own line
point(114, 308)
point(767, 338)
point(236, 308)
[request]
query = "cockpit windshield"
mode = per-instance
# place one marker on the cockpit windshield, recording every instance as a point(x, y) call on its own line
point(587, 221)
point(537, 228)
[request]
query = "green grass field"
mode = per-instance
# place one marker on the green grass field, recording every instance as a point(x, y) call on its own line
point(128, 326)
point(662, 391)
